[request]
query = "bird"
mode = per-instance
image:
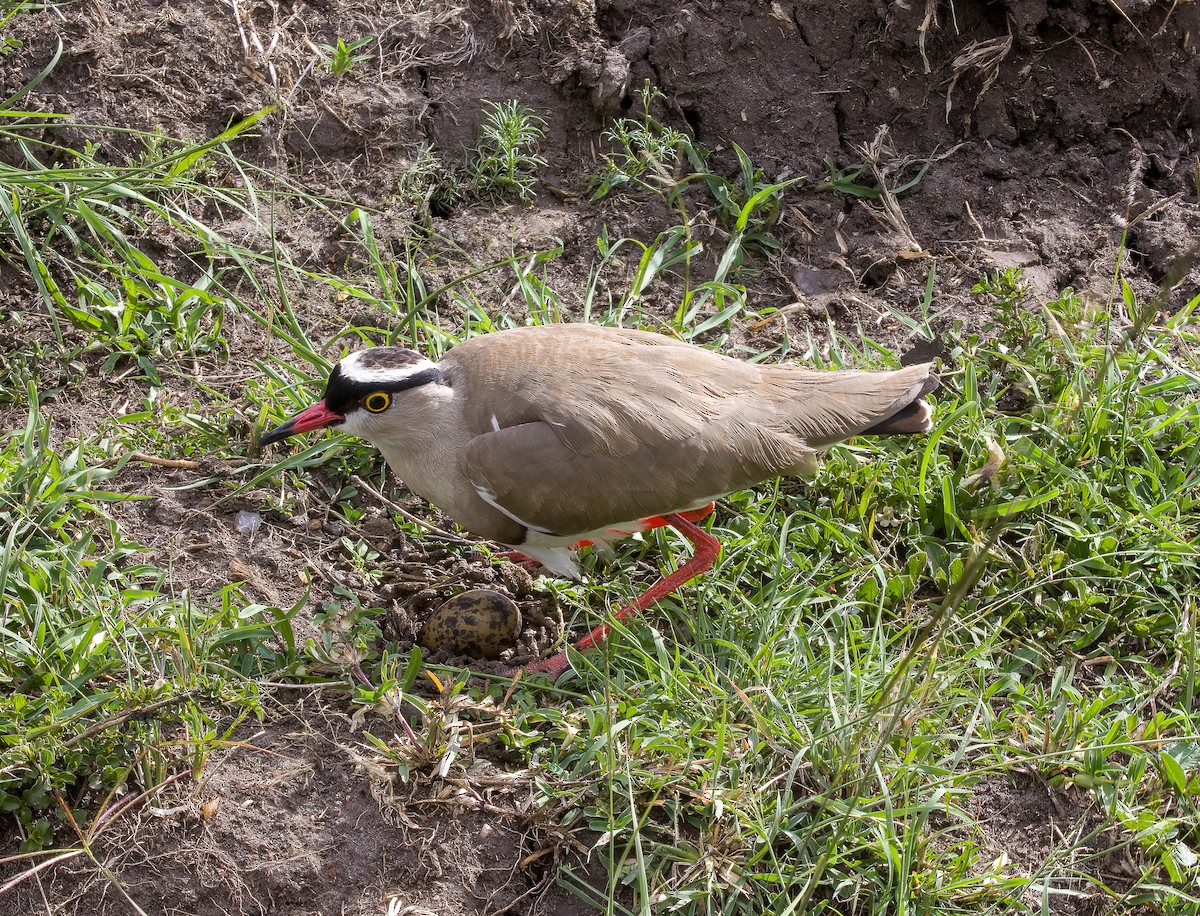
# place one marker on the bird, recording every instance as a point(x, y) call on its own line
point(547, 438)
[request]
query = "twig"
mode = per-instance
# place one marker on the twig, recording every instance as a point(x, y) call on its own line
point(1124, 15)
point(140, 712)
point(40, 867)
point(974, 222)
point(400, 510)
point(179, 464)
point(183, 464)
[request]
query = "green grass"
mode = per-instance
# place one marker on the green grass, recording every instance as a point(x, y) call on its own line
point(828, 722)
point(93, 635)
point(345, 57)
point(875, 649)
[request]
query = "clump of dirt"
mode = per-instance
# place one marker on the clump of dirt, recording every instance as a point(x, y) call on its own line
point(1027, 823)
point(1059, 138)
point(302, 816)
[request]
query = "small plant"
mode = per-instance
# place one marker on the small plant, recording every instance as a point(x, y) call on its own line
point(505, 161)
point(647, 154)
point(751, 206)
point(342, 59)
point(644, 150)
point(852, 180)
point(8, 44)
point(349, 632)
point(430, 186)
point(1007, 290)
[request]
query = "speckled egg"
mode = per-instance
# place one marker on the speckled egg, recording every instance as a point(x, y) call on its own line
point(480, 623)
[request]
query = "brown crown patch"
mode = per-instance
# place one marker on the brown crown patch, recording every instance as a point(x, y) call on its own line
point(388, 358)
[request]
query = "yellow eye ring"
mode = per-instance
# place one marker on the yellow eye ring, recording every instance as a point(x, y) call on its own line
point(377, 401)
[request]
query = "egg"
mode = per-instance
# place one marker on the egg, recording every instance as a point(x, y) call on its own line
point(480, 623)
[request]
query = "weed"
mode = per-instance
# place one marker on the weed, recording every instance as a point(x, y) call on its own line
point(646, 154)
point(849, 180)
point(504, 163)
point(642, 151)
point(431, 187)
point(345, 57)
point(751, 206)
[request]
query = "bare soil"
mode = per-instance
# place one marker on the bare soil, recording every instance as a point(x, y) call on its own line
point(1052, 129)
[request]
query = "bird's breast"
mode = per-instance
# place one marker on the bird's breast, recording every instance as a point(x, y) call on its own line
point(434, 472)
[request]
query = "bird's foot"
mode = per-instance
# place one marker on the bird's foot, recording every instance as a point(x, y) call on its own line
point(706, 551)
point(552, 667)
point(518, 559)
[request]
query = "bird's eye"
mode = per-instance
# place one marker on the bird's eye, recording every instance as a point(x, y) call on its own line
point(377, 401)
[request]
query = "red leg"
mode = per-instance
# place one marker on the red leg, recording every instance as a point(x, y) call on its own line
point(707, 548)
point(691, 515)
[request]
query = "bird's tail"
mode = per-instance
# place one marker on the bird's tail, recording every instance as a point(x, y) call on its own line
point(829, 407)
point(916, 417)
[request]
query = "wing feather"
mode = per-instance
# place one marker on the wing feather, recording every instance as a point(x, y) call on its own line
point(599, 426)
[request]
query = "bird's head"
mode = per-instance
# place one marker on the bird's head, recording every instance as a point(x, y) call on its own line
point(371, 394)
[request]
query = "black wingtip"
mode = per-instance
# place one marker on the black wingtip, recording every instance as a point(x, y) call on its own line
point(917, 417)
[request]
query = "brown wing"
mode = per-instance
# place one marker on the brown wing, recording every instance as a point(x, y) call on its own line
point(531, 473)
point(581, 427)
